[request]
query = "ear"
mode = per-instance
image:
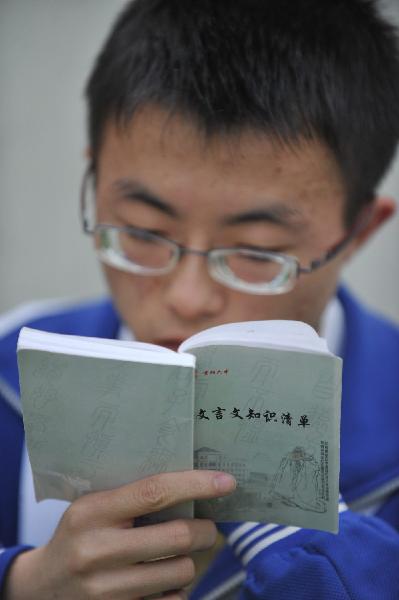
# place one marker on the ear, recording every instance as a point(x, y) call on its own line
point(378, 212)
point(88, 153)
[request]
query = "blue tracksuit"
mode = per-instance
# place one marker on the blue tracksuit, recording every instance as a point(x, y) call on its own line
point(263, 560)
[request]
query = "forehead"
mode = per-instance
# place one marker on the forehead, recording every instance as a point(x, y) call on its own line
point(172, 157)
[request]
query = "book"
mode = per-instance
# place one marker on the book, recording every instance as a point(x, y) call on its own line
point(260, 400)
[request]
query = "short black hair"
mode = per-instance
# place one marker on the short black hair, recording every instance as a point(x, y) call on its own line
point(292, 69)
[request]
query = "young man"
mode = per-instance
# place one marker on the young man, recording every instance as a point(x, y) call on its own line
point(262, 127)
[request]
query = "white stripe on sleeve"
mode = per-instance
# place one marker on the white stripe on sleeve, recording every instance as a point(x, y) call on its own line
point(271, 539)
point(241, 530)
point(250, 538)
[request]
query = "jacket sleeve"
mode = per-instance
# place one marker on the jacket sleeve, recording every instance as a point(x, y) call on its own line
point(361, 562)
point(7, 555)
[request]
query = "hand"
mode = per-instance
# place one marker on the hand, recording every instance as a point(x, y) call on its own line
point(95, 552)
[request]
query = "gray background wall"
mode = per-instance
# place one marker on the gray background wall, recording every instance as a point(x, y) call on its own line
point(46, 50)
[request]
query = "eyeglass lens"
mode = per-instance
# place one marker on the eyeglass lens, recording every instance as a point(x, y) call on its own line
point(146, 250)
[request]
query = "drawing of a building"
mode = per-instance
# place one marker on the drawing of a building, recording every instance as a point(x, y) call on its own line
point(257, 486)
point(208, 458)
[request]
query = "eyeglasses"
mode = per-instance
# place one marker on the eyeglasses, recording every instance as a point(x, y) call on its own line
point(249, 270)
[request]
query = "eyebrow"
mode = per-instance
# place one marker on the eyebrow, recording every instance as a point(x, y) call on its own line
point(132, 190)
point(276, 213)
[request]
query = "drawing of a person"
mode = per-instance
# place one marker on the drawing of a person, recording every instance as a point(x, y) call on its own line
point(297, 481)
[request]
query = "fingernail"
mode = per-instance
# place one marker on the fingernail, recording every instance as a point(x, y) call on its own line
point(224, 482)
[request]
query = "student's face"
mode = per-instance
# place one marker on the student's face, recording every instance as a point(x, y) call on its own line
point(202, 183)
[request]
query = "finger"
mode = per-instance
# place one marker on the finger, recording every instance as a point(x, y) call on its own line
point(175, 538)
point(163, 575)
point(173, 595)
point(166, 575)
point(153, 494)
point(108, 548)
point(176, 595)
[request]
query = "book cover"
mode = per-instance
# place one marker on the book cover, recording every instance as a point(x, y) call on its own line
point(271, 418)
point(268, 415)
point(94, 423)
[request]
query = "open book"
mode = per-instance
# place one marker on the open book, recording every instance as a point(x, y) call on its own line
point(260, 400)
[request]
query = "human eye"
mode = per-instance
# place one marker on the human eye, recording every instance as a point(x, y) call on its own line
point(145, 247)
point(258, 257)
point(261, 252)
point(254, 266)
point(144, 233)
point(136, 240)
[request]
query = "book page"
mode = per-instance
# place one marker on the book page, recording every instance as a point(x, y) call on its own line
point(271, 418)
point(75, 345)
point(279, 334)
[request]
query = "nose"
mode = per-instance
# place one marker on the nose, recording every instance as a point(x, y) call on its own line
point(191, 293)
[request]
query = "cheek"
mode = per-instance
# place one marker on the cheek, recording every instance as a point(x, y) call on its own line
point(306, 302)
point(130, 292)
point(314, 291)
point(259, 308)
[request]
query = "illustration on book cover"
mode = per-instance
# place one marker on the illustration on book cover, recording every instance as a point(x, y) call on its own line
point(300, 481)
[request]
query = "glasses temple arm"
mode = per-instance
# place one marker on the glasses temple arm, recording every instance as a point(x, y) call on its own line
point(336, 249)
point(87, 228)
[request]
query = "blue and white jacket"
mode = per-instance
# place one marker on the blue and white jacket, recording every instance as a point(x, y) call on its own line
point(267, 561)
